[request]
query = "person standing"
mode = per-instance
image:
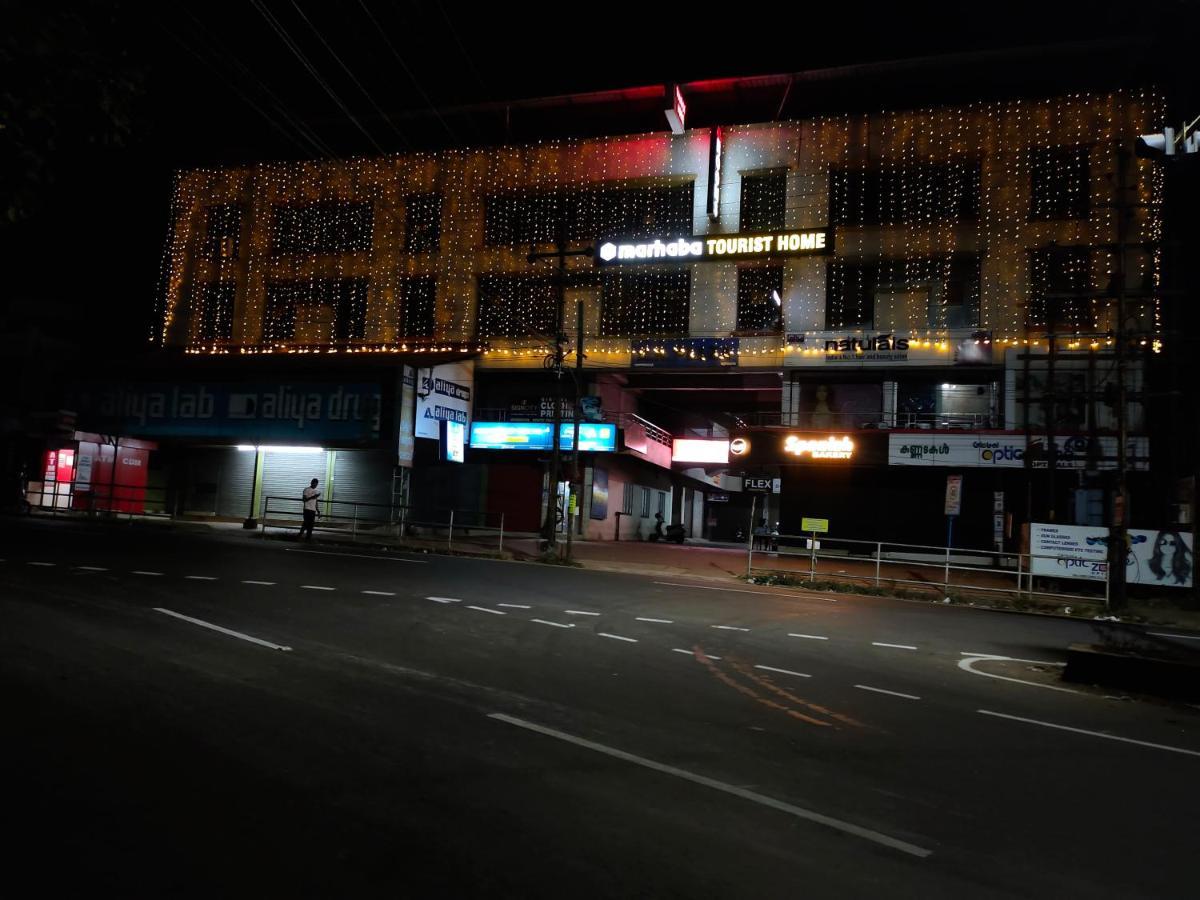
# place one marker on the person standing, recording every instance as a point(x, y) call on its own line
point(311, 496)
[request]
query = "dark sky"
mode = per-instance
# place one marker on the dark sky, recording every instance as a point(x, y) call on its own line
point(102, 101)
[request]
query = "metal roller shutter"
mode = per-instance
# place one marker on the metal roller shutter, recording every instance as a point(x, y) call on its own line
point(234, 483)
point(286, 475)
point(364, 476)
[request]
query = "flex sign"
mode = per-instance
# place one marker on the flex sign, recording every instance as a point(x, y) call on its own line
point(1009, 451)
point(758, 485)
point(680, 249)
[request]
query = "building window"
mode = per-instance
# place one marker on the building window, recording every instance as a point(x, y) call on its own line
point(1060, 281)
point(627, 499)
point(214, 311)
point(645, 503)
point(416, 296)
point(1059, 183)
point(633, 303)
point(332, 310)
point(516, 306)
point(764, 201)
point(662, 504)
point(514, 220)
point(222, 231)
point(422, 223)
point(902, 294)
point(328, 227)
point(757, 290)
point(909, 195)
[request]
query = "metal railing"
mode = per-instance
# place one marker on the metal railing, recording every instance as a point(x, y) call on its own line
point(408, 526)
point(857, 421)
point(945, 569)
point(67, 499)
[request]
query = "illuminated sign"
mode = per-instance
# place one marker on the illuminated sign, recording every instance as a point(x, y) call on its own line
point(739, 446)
point(693, 450)
point(453, 438)
point(724, 247)
point(593, 436)
point(677, 114)
point(714, 173)
point(819, 448)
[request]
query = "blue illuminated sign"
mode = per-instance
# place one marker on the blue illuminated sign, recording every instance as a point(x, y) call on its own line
point(598, 437)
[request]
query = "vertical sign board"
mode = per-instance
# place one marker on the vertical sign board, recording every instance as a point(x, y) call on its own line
point(998, 519)
point(444, 394)
point(953, 495)
point(714, 173)
point(408, 401)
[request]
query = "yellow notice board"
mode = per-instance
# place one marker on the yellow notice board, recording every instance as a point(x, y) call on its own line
point(809, 525)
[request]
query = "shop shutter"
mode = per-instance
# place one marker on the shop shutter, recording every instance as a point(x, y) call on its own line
point(234, 483)
point(364, 476)
point(286, 475)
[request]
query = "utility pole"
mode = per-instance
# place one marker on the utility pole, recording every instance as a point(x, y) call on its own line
point(577, 471)
point(555, 362)
point(1118, 535)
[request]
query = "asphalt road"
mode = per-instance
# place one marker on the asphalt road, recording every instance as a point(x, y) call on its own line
point(434, 726)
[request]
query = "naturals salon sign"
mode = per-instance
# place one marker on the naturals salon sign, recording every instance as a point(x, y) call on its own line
point(1009, 451)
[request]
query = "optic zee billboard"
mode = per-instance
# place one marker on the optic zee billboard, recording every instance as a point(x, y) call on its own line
point(1162, 557)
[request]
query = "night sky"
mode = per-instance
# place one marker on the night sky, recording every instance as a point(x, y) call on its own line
point(102, 101)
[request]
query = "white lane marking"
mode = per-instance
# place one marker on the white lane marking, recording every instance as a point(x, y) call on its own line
point(415, 562)
point(894, 646)
point(1099, 734)
point(444, 599)
point(555, 624)
point(1186, 637)
point(494, 612)
point(515, 605)
point(210, 625)
point(967, 665)
point(381, 593)
point(692, 653)
point(982, 655)
point(811, 637)
point(867, 687)
point(704, 587)
point(267, 583)
point(579, 612)
point(783, 671)
point(141, 572)
point(316, 587)
point(659, 621)
point(200, 577)
point(616, 637)
point(754, 797)
point(728, 628)
point(91, 568)
point(42, 564)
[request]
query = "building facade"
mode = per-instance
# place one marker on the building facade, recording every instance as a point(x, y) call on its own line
point(926, 278)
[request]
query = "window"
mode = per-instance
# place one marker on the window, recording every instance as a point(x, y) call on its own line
point(416, 296)
point(645, 302)
point(516, 306)
point(662, 504)
point(757, 288)
point(905, 196)
point(1059, 183)
point(422, 223)
point(222, 231)
point(645, 503)
point(899, 294)
point(332, 310)
point(764, 201)
point(329, 227)
point(1060, 277)
point(214, 311)
point(627, 498)
point(516, 220)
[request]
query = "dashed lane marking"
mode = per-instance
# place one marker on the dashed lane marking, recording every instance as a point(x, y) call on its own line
point(381, 593)
point(1097, 734)
point(91, 568)
point(728, 628)
point(692, 654)
point(616, 637)
point(444, 599)
point(868, 834)
point(893, 646)
point(811, 637)
point(141, 572)
point(264, 583)
point(781, 671)
point(1186, 637)
point(658, 621)
point(211, 626)
point(875, 690)
point(494, 612)
point(316, 587)
point(555, 624)
point(515, 605)
point(580, 612)
point(46, 564)
point(200, 577)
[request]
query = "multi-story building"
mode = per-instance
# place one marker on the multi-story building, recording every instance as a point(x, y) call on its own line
point(868, 300)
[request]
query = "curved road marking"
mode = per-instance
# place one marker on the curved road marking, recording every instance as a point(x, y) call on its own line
point(967, 666)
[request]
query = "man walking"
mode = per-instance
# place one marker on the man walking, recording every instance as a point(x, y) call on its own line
point(311, 496)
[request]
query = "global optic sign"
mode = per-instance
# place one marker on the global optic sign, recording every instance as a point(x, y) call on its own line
point(718, 247)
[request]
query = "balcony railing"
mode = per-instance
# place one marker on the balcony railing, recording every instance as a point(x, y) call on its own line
point(856, 421)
